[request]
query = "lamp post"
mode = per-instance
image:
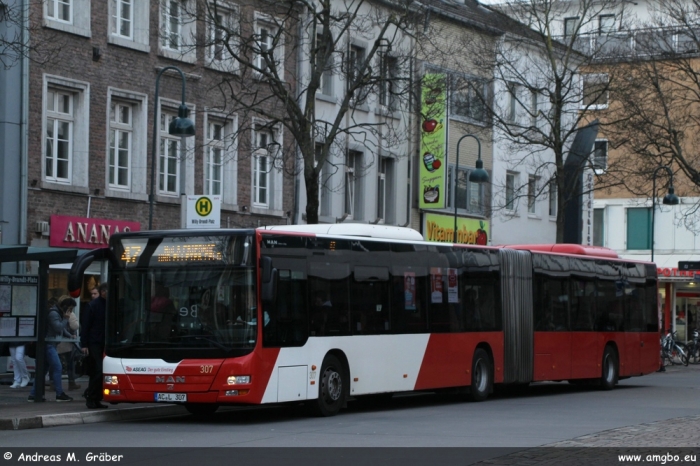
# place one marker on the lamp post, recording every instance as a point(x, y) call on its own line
point(180, 126)
point(669, 199)
point(479, 175)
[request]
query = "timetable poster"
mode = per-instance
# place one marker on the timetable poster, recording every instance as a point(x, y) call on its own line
point(18, 305)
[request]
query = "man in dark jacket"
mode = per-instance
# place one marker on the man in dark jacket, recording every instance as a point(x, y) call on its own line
point(92, 340)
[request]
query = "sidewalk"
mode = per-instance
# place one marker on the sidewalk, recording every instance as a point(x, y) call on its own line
point(17, 413)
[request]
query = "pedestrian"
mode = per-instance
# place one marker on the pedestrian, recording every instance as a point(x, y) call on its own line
point(66, 348)
point(19, 367)
point(56, 329)
point(92, 342)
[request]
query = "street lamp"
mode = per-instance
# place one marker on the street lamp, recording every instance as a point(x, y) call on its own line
point(479, 175)
point(180, 126)
point(669, 199)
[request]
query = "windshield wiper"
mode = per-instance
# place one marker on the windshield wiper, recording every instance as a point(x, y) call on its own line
point(200, 337)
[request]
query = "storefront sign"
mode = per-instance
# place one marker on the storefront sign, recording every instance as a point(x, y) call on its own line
point(87, 233)
point(674, 272)
point(440, 228)
point(432, 141)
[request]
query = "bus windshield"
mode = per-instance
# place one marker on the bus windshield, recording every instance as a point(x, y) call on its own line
point(182, 297)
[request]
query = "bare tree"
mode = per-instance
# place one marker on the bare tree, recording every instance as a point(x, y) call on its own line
point(277, 56)
point(658, 108)
point(18, 21)
point(545, 89)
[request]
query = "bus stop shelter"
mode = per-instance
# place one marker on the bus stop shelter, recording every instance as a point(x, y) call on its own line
point(45, 256)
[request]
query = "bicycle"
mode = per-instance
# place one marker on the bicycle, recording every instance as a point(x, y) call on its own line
point(673, 350)
point(694, 348)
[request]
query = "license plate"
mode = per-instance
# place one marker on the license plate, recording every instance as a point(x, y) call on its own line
point(171, 397)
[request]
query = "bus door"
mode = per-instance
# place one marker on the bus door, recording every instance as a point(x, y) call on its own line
point(586, 353)
point(552, 336)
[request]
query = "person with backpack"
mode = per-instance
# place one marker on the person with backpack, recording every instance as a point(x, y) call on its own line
point(56, 329)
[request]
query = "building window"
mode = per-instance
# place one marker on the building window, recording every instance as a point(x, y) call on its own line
point(531, 194)
point(326, 85)
point(356, 61)
point(169, 157)
point(639, 228)
point(353, 184)
point(123, 18)
point(59, 10)
point(59, 135)
point(177, 30)
point(600, 155)
point(120, 145)
point(512, 110)
point(262, 165)
point(598, 227)
point(606, 24)
point(324, 187)
point(388, 91)
point(269, 49)
point(510, 191)
point(214, 161)
point(385, 189)
point(570, 25)
point(595, 91)
point(553, 190)
point(534, 108)
point(468, 99)
point(223, 25)
point(72, 16)
point(465, 194)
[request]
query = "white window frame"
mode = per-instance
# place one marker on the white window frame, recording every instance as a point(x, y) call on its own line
point(268, 23)
point(553, 197)
point(326, 85)
point(55, 118)
point(513, 89)
point(510, 191)
point(185, 31)
point(140, 24)
point(214, 158)
point(534, 108)
point(388, 91)
point(600, 145)
point(573, 21)
point(357, 54)
point(118, 128)
point(273, 203)
point(382, 189)
point(167, 141)
point(354, 199)
point(79, 16)
point(589, 79)
point(532, 182)
point(464, 95)
point(229, 147)
point(218, 56)
point(118, 18)
point(474, 192)
point(606, 24)
point(79, 162)
point(139, 144)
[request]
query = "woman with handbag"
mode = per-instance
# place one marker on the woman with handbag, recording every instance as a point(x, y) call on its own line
point(65, 348)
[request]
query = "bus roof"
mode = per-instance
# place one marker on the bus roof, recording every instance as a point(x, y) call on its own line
point(563, 248)
point(351, 229)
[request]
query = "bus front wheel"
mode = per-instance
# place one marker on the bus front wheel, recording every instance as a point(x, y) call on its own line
point(610, 373)
point(482, 376)
point(332, 387)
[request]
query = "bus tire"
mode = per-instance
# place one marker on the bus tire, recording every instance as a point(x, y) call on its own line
point(332, 387)
point(482, 376)
point(611, 369)
point(201, 409)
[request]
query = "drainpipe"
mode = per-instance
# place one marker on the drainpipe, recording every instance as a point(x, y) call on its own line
point(24, 134)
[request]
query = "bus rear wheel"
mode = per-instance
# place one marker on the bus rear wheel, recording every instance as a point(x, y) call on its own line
point(332, 387)
point(482, 376)
point(610, 374)
point(201, 409)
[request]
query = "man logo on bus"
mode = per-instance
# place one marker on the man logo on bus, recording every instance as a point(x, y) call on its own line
point(203, 206)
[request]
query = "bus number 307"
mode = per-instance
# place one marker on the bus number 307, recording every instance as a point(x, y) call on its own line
point(206, 369)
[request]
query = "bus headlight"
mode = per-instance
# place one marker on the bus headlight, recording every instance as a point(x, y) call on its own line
point(111, 380)
point(238, 379)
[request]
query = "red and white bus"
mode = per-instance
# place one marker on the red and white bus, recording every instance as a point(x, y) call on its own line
point(324, 313)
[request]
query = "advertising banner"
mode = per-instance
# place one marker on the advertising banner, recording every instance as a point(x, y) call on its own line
point(440, 228)
point(432, 141)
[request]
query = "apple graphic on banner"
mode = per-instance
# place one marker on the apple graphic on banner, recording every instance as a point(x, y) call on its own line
point(436, 164)
point(429, 125)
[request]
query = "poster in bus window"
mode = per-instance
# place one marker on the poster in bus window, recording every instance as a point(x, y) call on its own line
point(435, 285)
point(409, 291)
point(452, 296)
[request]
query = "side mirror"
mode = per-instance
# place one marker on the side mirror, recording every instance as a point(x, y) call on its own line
point(268, 279)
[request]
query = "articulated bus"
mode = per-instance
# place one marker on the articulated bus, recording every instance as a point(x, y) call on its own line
point(324, 313)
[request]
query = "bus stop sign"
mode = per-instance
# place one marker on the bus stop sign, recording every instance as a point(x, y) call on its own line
point(689, 265)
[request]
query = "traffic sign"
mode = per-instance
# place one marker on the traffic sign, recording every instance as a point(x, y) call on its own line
point(203, 212)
